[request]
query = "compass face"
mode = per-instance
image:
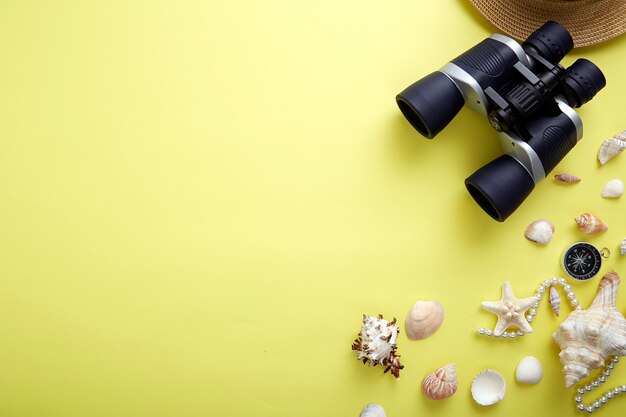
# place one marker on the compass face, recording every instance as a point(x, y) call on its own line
point(582, 261)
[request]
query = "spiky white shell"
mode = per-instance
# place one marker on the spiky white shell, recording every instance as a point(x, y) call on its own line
point(423, 319)
point(373, 410)
point(540, 231)
point(529, 370)
point(612, 147)
point(488, 387)
point(613, 189)
point(380, 337)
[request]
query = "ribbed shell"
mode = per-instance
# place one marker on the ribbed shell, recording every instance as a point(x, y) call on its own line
point(440, 384)
point(590, 224)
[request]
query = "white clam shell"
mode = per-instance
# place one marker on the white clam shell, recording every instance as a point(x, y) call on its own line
point(488, 387)
point(540, 231)
point(423, 319)
point(373, 410)
point(529, 370)
point(612, 147)
point(613, 189)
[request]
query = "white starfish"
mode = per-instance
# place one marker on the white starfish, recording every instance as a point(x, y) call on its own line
point(510, 311)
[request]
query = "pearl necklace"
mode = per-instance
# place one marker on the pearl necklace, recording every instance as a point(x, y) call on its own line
point(573, 301)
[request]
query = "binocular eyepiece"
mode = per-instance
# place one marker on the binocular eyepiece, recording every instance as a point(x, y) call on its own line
point(527, 97)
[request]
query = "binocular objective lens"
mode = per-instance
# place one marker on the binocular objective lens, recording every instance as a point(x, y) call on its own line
point(430, 103)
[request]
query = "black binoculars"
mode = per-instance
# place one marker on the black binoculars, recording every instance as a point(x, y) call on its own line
point(528, 99)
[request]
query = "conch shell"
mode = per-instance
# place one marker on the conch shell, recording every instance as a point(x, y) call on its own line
point(540, 231)
point(440, 384)
point(566, 178)
point(590, 224)
point(613, 189)
point(423, 319)
point(612, 147)
point(588, 337)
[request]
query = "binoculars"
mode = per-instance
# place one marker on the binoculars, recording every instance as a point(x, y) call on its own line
point(528, 99)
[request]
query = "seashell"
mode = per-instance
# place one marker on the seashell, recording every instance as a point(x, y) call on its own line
point(488, 387)
point(566, 178)
point(588, 337)
point(611, 147)
point(555, 301)
point(590, 224)
point(613, 189)
point(540, 231)
point(376, 344)
point(529, 370)
point(622, 248)
point(423, 319)
point(373, 410)
point(440, 384)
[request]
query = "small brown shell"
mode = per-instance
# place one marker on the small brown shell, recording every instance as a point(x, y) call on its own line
point(440, 384)
point(555, 301)
point(590, 224)
point(566, 178)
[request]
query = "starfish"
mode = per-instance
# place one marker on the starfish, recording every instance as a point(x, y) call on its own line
point(510, 311)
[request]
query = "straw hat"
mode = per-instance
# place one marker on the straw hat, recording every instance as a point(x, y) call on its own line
point(588, 21)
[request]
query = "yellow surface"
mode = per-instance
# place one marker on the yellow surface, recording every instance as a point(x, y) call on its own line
point(200, 199)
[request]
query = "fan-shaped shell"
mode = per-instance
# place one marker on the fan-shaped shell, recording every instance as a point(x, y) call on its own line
point(488, 387)
point(540, 231)
point(590, 224)
point(588, 337)
point(440, 384)
point(612, 147)
point(423, 319)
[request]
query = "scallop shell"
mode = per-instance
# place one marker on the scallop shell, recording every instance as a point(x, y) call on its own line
point(611, 147)
point(488, 387)
point(555, 301)
point(540, 231)
point(613, 189)
point(440, 384)
point(590, 224)
point(622, 248)
point(529, 370)
point(373, 410)
point(588, 337)
point(423, 319)
point(566, 178)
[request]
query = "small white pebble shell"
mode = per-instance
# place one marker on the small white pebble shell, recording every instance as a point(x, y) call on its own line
point(613, 189)
point(373, 410)
point(529, 370)
point(488, 387)
point(540, 231)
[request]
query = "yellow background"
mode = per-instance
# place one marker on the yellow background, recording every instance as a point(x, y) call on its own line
point(200, 199)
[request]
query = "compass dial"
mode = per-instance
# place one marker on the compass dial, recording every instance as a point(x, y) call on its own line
point(582, 261)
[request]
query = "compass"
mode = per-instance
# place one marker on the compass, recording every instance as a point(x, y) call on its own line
point(582, 261)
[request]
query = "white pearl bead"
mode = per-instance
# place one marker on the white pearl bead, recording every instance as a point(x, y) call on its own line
point(538, 296)
point(589, 409)
point(567, 288)
point(554, 281)
point(570, 295)
point(578, 399)
point(512, 335)
point(536, 304)
point(562, 281)
point(579, 308)
point(529, 318)
point(581, 391)
point(540, 290)
point(481, 331)
point(588, 388)
point(596, 405)
point(580, 407)
point(574, 302)
point(488, 332)
point(595, 384)
point(545, 283)
point(609, 395)
point(615, 359)
point(602, 379)
point(520, 333)
point(603, 399)
point(617, 391)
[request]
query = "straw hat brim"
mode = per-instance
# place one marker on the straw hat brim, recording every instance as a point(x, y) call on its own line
point(588, 21)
